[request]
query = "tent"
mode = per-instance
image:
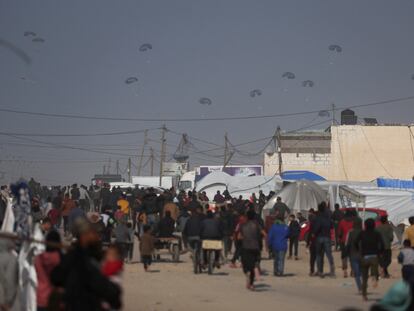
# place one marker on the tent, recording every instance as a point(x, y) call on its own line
point(300, 196)
point(213, 182)
point(299, 175)
point(237, 185)
point(245, 186)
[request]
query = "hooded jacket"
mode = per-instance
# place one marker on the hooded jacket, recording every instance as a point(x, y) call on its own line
point(44, 264)
point(278, 236)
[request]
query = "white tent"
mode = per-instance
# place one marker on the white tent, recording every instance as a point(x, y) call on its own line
point(399, 204)
point(300, 196)
point(245, 186)
point(237, 185)
point(213, 182)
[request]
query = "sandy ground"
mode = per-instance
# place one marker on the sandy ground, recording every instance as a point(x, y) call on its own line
point(173, 287)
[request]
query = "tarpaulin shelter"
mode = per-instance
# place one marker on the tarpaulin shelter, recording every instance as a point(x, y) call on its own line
point(301, 175)
point(299, 196)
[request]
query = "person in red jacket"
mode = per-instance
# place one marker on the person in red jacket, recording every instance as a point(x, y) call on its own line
point(44, 264)
point(345, 225)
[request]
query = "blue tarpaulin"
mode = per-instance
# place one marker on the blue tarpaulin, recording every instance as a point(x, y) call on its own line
point(299, 175)
point(395, 183)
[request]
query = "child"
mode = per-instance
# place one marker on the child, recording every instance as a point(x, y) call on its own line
point(113, 265)
point(146, 247)
point(294, 229)
point(406, 259)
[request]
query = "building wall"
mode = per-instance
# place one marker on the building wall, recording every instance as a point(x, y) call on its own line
point(358, 153)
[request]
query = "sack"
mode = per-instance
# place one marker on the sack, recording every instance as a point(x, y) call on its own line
point(212, 244)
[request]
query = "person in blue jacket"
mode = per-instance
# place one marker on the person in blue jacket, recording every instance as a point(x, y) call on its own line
point(278, 242)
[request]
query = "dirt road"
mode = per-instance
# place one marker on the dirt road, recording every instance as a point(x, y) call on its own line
point(173, 287)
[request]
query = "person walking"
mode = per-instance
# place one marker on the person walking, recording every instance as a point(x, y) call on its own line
point(406, 259)
point(79, 277)
point(321, 229)
point(294, 232)
point(370, 245)
point(353, 252)
point(67, 205)
point(277, 241)
point(250, 236)
point(44, 264)
point(409, 231)
point(146, 247)
point(387, 234)
point(280, 209)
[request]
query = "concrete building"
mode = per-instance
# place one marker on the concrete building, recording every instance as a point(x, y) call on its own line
point(348, 152)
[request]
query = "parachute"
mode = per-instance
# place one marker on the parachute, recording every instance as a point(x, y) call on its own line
point(288, 75)
point(255, 93)
point(412, 76)
point(131, 80)
point(308, 83)
point(323, 113)
point(38, 40)
point(335, 48)
point(145, 47)
point(205, 101)
point(29, 34)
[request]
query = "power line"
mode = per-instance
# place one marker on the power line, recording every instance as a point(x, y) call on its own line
point(267, 116)
point(75, 135)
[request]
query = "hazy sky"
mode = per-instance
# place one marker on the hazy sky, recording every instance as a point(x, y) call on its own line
point(218, 49)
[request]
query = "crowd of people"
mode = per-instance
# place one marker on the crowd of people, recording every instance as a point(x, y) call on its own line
point(90, 231)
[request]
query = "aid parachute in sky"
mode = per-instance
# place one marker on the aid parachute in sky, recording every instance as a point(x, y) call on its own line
point(131, 80)
point(29, 34)
point(205, 101)
point(288, 75)
point(335, 48)
point(145, 47)
point(255, 92)
point(308, 83)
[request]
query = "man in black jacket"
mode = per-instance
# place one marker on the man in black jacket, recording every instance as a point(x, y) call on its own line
point(166, 226)
point(370, 245)
point(212, 229)
point(321, 229)
point(78, 274)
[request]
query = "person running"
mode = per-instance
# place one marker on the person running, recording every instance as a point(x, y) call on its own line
point(294, 232)
point(277, 240)
point(387, 234)
point(321, 229)
point(236, 238)
point(337, 216)
point(345, 225)
point(353, 252)
point(370, 244)
point(250, 236)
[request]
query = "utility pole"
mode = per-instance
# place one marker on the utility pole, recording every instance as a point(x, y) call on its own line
point(142, 152)
point(162, 157)
point(225, 150)
point(117, 167)
point(129, 170)
point(152, 161)
point(109, 166)
point(279, 148)
point(333, 114)
point(104, 168)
